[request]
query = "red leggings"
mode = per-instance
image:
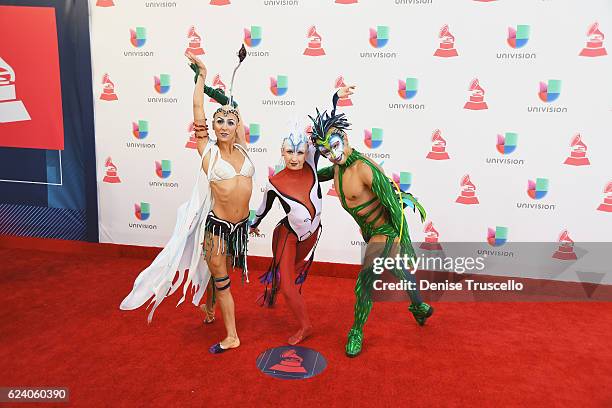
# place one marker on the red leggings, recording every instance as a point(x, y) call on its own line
point(289, 254)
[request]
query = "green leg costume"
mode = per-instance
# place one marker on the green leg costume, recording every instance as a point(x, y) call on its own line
point(388, 201)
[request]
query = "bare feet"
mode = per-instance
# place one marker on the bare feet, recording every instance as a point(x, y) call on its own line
point(209, 313)
point(301, 335)
point(230, 342)
point(226, 344)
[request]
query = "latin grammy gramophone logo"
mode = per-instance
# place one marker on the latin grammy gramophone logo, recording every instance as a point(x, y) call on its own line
point(468, 192)
point(192, 142)
point(431, 242)
point(111, 175)
point(344, 100)
point(108, 89)
point(476, 100)
point(105, 3)
point(594, 46)
point(291, 362)
point(565, 250)
point(446, 49)
point(578, 152)
point(314, 48)
point(195, 42)
point(438, 147)
point(11, 108)
point(218, 84)
point(606, 205)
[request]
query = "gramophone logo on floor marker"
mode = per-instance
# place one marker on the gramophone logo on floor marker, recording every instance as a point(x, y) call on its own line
point(468, 192)
point(11, 108)
point(291, 362)
point(446, 49)
point(111, 175)
point(438, 147)
point(314, 48)
point(578, 150)
point(594, 46)
point(195, 42)
point(108, 89)
point(476, 101)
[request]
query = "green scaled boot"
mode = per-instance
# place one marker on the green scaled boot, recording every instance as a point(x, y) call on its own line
point(353, 344)
point(420, 312)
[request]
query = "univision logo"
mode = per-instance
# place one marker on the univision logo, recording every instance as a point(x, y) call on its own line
point(408, 89)
point(379, 37)
point(403, 180)
point(507, 143)
point(537, 189)
point(279, 85)
point(138, 37)
point(497, 236)
point(252, 133)
point(163, 169)
point(142, 211)
point(162, 83)
point(519, 36)
point(252, 36)
point(373, 138)
point(140, 129)
point(550, 91)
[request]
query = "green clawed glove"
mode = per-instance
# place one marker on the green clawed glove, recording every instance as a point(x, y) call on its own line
point(217, 94)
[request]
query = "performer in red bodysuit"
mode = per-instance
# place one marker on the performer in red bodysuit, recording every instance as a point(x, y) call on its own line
point(295, 236)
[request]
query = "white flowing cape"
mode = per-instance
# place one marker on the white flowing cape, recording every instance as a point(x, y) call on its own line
point(183, 251)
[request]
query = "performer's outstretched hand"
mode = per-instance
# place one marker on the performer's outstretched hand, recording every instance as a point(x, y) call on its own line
point(346, 91)
point(198, 62)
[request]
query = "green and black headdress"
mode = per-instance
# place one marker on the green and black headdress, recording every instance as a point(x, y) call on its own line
point(323, 122)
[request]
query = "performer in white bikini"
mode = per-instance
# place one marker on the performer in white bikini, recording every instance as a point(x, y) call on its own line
point(212, 227)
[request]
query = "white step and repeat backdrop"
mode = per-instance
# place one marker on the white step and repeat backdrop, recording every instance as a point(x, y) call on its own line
point(495, 114)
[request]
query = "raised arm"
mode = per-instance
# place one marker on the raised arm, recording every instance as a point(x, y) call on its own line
point(199, 117)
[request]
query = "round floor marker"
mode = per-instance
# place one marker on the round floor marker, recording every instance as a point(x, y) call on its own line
point(291, 362)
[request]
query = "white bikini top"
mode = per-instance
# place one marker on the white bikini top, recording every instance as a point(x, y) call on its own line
point(222, 170)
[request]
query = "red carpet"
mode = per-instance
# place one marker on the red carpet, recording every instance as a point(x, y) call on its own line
point(60, 326)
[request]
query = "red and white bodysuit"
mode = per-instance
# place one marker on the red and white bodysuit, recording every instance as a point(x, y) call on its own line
point(295, 236)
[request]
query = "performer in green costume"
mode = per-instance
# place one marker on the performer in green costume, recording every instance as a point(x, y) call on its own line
point(376, 204)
